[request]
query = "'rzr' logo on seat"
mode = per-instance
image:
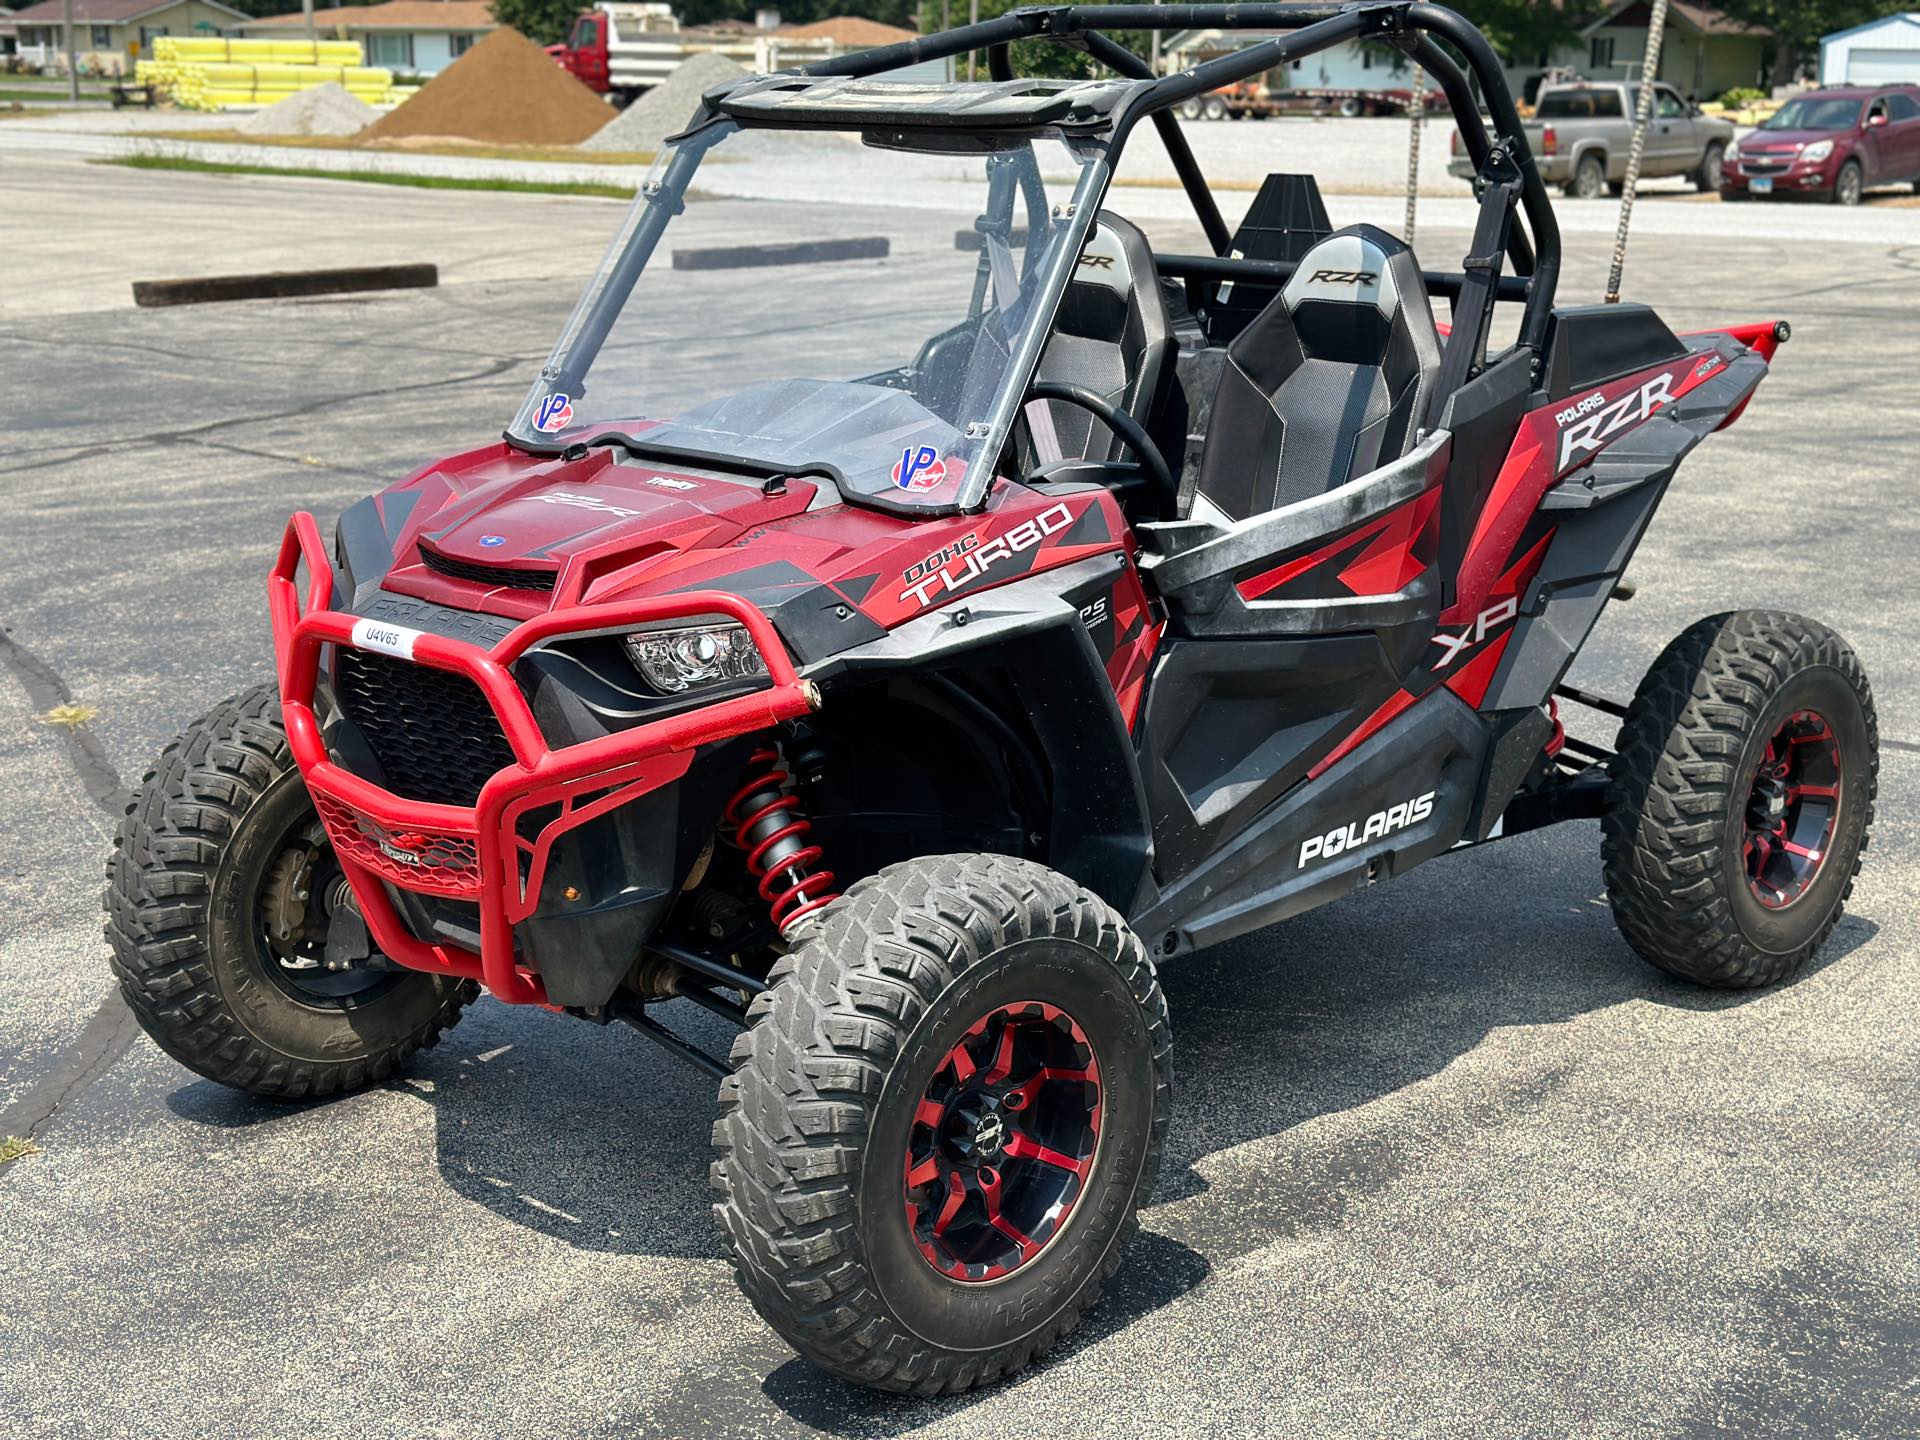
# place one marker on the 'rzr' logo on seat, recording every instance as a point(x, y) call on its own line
point(1344, 277)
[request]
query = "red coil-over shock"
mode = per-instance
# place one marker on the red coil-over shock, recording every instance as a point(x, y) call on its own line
point(767, 824)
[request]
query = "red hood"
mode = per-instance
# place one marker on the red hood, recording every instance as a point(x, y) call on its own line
point(592, 523)
point(1786, 139)
point(516, 535)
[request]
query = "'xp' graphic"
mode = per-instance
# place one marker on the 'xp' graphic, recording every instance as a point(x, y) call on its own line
point(919, 469)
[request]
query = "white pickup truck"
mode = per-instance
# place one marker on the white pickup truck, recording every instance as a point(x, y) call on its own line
point(1580, 134)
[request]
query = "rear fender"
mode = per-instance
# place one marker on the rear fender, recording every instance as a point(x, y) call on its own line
point(1763, 338)
point(1591, 520)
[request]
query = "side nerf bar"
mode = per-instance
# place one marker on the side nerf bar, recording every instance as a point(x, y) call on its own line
point(476, 852)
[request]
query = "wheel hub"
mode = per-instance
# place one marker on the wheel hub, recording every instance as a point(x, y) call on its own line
point(301, 891)
point(1002, 1142)
point(1793, 809)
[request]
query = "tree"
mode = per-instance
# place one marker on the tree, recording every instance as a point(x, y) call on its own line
point(1797, 26)
point(545, 22)
point(1522, 30)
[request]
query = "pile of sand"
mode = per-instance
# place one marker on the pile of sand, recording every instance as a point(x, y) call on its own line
point(665, 109)
point(504, 91)
point(324, 110)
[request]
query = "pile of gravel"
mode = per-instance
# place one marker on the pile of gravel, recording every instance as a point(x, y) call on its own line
point(324, 110)
point(665, 109)
point(504, 91)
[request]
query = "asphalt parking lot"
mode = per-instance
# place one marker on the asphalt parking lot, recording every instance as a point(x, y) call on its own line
point(1447, 1159)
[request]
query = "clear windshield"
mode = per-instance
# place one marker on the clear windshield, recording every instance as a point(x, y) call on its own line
point(813, 303)
point(1805, 114)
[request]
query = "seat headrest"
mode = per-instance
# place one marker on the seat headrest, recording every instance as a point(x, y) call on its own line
point(1109, 257)
point(1354, 266)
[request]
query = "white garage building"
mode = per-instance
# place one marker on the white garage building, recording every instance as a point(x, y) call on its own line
point(1881, 52)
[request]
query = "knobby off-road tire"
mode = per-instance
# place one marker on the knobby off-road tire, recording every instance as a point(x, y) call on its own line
point(826, 1118)
point(188, 947)
point(1706, 761)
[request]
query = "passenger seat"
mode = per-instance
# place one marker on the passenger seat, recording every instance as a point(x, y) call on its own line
point(1327, 383)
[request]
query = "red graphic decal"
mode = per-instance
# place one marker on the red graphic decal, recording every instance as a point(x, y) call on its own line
point(1387, 565)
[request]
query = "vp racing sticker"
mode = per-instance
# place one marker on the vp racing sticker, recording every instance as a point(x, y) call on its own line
point(555, 413)
point(919, 468)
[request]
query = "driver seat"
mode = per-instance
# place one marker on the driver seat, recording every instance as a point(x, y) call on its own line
point(1111, 336)
point(1328, 382)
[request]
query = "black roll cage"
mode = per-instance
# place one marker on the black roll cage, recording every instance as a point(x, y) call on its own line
point(1502, 159)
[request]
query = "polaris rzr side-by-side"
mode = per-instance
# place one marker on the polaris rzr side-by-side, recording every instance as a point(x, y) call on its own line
point(899, 650)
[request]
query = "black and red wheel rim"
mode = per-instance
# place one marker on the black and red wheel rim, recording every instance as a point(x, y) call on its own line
point(1003, 1142)
point(1793, 810)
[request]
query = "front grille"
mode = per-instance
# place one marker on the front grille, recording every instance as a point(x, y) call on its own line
point(432, 731)
point(1767, 164)
point(510, 576)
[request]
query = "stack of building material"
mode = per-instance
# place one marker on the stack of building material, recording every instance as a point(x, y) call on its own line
point(214, 74)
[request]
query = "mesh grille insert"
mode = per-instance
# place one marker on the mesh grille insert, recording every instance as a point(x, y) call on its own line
point(434, 734)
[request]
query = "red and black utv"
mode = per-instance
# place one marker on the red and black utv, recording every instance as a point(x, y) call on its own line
point(900, 649)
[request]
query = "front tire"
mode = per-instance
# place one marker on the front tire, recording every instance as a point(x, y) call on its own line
point(1712, 166)
point(1850, 184)
point(939, 1128)
point(1742, 795)
point(217, 900)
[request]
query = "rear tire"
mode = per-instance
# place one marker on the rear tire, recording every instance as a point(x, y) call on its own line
point(1214, 108)
point(1736, 730)
point(1589, 180)
point(852, 1082)
point(186, 886)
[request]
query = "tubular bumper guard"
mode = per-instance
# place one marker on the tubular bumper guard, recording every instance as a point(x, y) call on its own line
point(475, 853)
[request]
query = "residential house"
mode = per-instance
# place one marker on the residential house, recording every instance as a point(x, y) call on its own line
point(1703, 52)
point(109, 35)
point(1881, 52)
point(410, 37)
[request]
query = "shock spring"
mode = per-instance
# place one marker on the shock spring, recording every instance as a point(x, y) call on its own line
point(768, 824)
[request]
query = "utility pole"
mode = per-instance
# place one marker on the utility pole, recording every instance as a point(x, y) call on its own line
point(973, 18)
point(306, 9)
point(73, 63)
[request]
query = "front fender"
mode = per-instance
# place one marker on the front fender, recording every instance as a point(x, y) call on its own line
point(1101, 836)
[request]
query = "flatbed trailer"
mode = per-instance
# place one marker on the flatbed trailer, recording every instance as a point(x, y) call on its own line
point(1252, 101)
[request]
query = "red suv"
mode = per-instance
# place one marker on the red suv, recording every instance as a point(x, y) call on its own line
point(1833, 143)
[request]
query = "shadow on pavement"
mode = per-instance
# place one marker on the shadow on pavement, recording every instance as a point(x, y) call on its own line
point(601, 1140)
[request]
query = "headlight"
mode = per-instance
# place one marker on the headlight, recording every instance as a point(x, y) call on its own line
point(674, 661)
point(1733, 151)
point(1819, 150)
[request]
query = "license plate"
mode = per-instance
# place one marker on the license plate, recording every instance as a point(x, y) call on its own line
point(1761, 185)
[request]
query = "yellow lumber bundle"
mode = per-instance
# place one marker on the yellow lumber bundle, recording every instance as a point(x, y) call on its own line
point(214, 74)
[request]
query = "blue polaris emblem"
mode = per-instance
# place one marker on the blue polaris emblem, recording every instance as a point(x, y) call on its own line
point(492, 540)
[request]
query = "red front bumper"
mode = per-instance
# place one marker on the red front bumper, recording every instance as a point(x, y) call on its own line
point(476, 852)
